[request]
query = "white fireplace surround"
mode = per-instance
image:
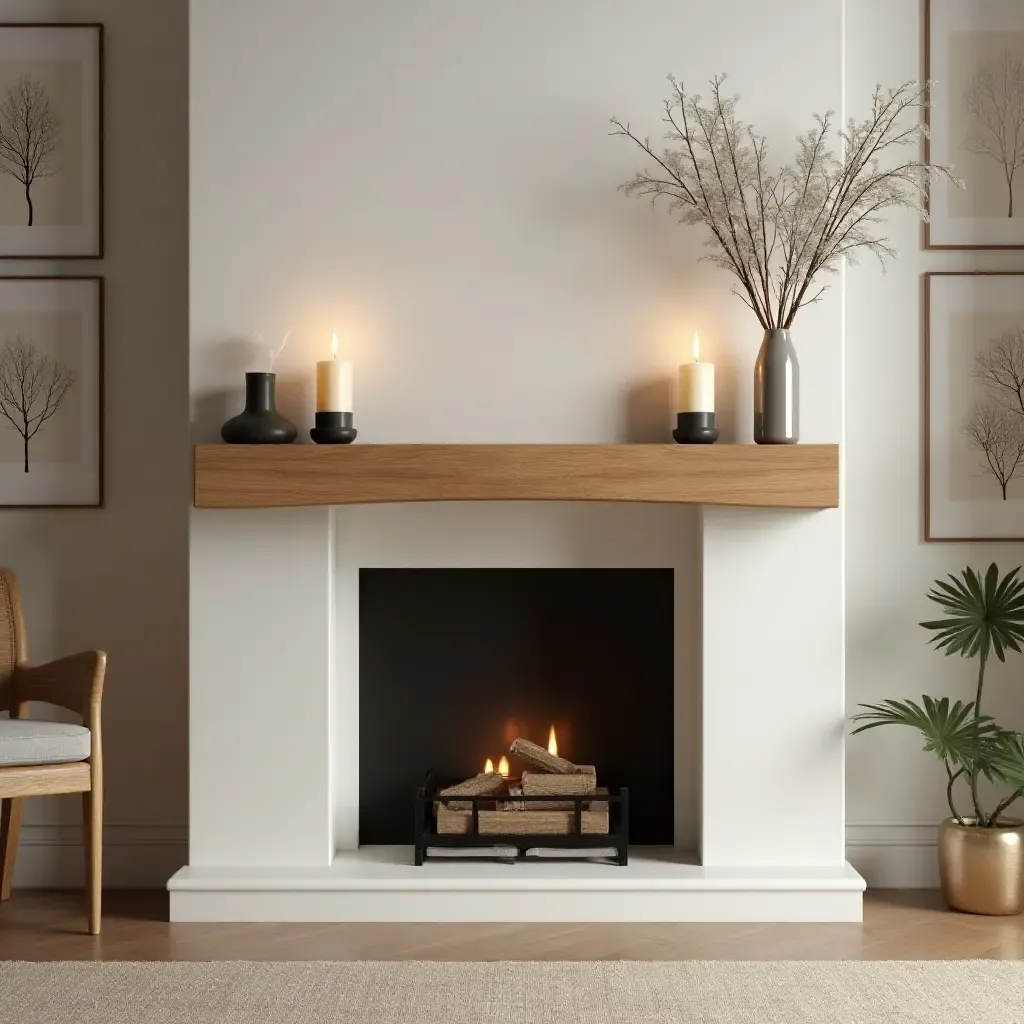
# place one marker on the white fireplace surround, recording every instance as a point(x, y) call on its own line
point(274, 717)
point(510, 297)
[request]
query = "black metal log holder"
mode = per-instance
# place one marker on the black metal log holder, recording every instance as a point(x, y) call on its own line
point(617, 836)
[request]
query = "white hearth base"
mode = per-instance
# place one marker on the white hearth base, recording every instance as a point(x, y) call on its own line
point(381, 884)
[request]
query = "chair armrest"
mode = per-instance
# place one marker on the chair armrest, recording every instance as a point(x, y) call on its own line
point(75, 683)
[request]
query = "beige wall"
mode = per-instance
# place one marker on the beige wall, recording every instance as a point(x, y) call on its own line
point(895, 793)
point(117, 577)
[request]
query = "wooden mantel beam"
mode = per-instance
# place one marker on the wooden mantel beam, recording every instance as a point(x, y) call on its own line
point(278, 476)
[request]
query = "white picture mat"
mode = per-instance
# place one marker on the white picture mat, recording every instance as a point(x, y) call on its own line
point(947, 17)
point(950, 295)
point(62, 483)
point(77, 43)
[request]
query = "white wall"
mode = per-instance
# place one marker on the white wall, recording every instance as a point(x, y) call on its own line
point(895, 793)
point(441, 188)
point(117, 578)
point(435, 179)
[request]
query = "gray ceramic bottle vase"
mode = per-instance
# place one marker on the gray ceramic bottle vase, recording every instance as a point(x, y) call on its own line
point(777, 390)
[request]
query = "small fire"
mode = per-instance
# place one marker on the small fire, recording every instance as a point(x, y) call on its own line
point(503, 766)
point(696, 346)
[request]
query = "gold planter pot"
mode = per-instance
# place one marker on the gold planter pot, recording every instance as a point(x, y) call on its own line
point(982, 869)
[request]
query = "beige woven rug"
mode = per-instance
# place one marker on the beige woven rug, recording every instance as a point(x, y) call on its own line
point(948, 992)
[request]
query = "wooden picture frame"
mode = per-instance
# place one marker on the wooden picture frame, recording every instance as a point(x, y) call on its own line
point(51, 165)
point(51, 392)
point(969, 46)
point(973, 493)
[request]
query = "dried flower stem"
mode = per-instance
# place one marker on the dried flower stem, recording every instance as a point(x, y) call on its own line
point(778, 232)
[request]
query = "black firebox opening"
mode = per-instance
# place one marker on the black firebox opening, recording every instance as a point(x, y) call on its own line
point(455, 663)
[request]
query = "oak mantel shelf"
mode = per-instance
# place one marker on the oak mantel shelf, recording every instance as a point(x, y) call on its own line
point(278, 476)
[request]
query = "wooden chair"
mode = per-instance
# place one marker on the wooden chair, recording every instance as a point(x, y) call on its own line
point(40, 758)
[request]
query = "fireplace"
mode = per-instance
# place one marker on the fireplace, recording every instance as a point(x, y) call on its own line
point(756, 763)
point(455, 664)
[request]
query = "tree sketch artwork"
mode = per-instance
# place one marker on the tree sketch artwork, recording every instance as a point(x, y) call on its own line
point(995, 426)
point(29, 131)
point(32, 386)
point(995, 100)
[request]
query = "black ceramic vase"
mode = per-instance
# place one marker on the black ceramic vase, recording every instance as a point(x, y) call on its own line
point(259, 422)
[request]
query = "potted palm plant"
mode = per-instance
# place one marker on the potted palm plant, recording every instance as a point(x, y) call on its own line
point(981, 853)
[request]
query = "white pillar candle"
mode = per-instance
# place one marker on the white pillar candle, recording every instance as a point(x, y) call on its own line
point(697, 383)
point(334, 382)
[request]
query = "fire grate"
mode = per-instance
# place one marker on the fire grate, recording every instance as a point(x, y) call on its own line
point(483, 823)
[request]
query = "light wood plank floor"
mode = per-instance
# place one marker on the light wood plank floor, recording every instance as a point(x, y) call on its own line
point(897, 925)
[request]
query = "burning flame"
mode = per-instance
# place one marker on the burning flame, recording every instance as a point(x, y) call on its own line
point(503, 766)
point(696, 346)
point(552, 742)
point(488, 767)
point(334, 345)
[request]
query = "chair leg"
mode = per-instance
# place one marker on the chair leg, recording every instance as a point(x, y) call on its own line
point(92, 828)
point(10, 826)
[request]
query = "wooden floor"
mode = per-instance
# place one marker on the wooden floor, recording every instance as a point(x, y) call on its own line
point(897, 925)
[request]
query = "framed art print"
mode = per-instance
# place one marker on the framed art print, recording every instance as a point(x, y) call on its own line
point(975, 62)
point(51, 391)
point(974, 406)
point(51, 141)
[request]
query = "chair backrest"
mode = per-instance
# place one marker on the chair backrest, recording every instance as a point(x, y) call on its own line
point(13, 641)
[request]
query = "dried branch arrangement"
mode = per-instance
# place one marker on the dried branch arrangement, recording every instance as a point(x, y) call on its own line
point(779, 231)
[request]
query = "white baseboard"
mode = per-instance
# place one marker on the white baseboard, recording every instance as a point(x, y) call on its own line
point(134, 856)
point(145, 856)
point(894, 856)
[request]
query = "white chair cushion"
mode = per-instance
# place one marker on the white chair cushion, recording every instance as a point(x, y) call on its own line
point(24, 741)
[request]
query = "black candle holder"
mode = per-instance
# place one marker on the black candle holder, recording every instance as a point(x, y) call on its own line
point(695, 428)
point(333, 428)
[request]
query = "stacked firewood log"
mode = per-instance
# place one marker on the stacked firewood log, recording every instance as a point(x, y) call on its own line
point(545, 774)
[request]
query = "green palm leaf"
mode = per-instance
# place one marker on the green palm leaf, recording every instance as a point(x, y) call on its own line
point(981, 616)
point(1004, 759)
point(950, 731)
